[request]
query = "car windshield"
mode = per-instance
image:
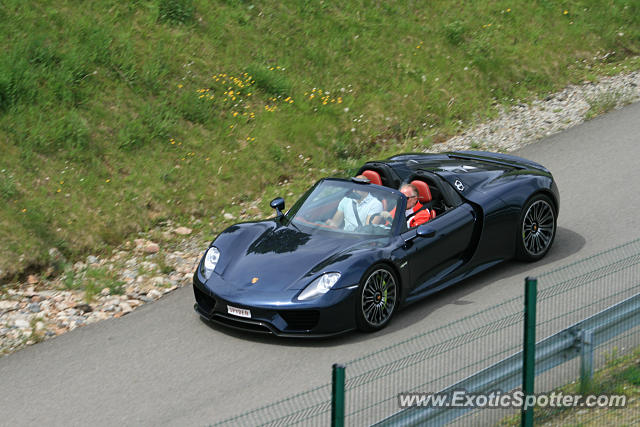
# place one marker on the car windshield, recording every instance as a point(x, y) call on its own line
point(348, 208)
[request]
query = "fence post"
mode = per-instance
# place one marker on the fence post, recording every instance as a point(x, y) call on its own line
point(586, 360)
point(337, 395)
point(529, 347)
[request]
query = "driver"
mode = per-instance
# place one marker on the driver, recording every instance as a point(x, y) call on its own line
point(356, 210)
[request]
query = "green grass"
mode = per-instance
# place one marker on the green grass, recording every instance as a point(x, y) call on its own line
point(92, 281)
point(115, 116)
point(602, 104)
point(619, 376)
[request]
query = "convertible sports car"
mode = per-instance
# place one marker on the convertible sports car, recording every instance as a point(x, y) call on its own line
point(301, 274)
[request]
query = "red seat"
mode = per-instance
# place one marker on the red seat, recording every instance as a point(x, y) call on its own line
point(424, 194)
point(373, 177)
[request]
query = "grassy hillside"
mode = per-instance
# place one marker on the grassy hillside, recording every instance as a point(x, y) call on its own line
point(116, 115)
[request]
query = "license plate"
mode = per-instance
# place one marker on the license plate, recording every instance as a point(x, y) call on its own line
point(238, 311)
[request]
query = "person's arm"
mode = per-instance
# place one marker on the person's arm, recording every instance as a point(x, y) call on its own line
point(338, 217)
point(380, 218)
point(374, 211)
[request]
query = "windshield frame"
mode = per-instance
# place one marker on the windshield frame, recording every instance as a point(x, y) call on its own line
point(395, 226)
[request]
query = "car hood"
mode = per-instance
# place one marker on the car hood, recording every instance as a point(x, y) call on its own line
point(270, 256)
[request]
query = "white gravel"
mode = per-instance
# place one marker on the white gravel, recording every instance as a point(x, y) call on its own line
point(526, 123)
point(43, 308)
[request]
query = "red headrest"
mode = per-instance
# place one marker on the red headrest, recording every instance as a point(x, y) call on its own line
point(424, 194)
point(373, 176)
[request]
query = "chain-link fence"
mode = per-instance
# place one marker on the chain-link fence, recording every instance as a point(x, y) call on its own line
point(434, 360)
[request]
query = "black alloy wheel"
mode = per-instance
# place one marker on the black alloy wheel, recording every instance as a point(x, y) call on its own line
point(378, 298)
point(537, 228)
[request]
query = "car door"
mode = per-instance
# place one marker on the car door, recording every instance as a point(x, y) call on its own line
point(431, 258)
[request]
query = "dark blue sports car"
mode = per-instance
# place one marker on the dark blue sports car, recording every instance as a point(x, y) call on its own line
point(304, 273)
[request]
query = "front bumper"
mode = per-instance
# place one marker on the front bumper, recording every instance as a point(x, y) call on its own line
point(330, 314)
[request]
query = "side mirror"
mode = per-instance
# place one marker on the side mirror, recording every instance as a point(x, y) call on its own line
point(278, 205)
point(425, 230)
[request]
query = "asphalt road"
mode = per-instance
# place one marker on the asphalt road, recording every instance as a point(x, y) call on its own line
point(161, 365)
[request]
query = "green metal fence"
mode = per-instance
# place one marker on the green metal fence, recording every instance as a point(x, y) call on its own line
point(443, 356)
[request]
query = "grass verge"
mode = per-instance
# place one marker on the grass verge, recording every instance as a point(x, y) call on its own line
point(115, 116)
point(619, 376)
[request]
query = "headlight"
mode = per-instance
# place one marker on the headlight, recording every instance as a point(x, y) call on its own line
point(319, 286)
point(210, 260)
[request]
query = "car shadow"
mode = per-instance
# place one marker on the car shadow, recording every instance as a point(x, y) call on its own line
point(566, 244)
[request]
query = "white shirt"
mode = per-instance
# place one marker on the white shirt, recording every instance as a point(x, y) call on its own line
point(367, 206)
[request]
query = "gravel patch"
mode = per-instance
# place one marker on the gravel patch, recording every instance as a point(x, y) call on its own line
point(42, 308)
point(526, 123)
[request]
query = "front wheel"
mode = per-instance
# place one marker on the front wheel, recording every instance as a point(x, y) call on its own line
point(378, 298)
point(536, 229)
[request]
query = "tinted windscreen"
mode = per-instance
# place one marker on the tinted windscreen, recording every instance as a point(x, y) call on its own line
point(347, 207)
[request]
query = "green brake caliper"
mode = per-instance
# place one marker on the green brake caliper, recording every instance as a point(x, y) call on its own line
point(384, 294)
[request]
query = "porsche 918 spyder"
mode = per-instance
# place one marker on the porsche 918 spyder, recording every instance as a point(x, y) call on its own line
point(302, 274)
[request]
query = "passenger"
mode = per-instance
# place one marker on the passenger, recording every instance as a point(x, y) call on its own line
point(356, 212)
point(415, 214)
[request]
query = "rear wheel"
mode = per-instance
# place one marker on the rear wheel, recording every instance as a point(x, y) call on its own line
point(536, 229)
point(378, 298)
